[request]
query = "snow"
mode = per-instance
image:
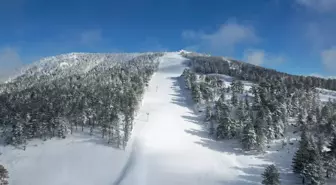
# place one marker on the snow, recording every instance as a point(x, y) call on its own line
point(78, 160)
point(227, 80)
point(170, 146)
point(326, 95)
point(173, 147)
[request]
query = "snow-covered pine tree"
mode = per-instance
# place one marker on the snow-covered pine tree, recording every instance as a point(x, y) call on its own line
point(18, 136)
point(260, 129)
point(196, 93)
point(249, 137)
point(208, 113)
point(270, 132)
point(234, 99)
point(240, 118)
point(223, 130)
point(330, 156)
point(3, 175)
point(62, 129)
point(313, 168)
point(301, 156)
point(278, 124)
point(271, 176)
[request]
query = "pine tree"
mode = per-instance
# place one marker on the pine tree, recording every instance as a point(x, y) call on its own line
point(313, 169)
point(330, 162)
point(226, 125)
point(234, 99)
point(271, 176)
point(270, 132)
point(260, 130)
point(62, 129)
point(249, 138)
point(208, 113)
point(240, 118)
point(301, 155)
point(3, 175)
point(196, 93)
point(18, 136)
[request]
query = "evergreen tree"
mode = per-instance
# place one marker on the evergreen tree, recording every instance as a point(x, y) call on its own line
point(270, 131)
point(196, 93)
point(330, 159)
point(225, 127)
point(18, 136)
point(313, 169)
point(271, 176)
point(249, 138)
point(234, 99)
point(240, 118)
point(260, 129)
point(208, 113)
point(301, 156)
point(3, 175)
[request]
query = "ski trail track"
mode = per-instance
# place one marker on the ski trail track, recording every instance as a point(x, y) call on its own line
point(172, 147)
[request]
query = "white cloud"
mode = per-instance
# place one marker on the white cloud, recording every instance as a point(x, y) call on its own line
point(321, 76)
point(91, 37)
point(255, 57)
point(225, 39)
point(329, 59)
point(10, 62)
point(319, 5)
point(260, 57)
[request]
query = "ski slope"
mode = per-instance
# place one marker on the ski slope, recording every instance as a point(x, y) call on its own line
point(169, 146)
point(174, 148)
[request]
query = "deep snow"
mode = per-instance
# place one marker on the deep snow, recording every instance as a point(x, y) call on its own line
point(173, 147)
point(170, 146)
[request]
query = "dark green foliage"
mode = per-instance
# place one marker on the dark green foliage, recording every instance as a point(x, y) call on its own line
point(3, 175)
point(301, 156)
point(249, 137)
point(51, 105)
point(264, 114)
point(249, 72)
point(271, 176)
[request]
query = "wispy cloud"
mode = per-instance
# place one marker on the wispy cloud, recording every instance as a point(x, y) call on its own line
point(260, 57)
point(321, 6)
point(329, 59)
point(10, 62)
point(91, 37)
point(319, 29)
point(223, 40)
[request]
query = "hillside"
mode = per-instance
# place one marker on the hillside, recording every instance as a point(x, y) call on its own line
point(144, 119)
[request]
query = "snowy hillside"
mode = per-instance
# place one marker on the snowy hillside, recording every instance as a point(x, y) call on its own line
point(73, 63)
point(170, 141)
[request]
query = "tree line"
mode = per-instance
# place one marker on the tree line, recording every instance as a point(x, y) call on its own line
point(245, 71)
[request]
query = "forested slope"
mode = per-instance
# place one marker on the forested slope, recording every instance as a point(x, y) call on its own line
point(277, 104)
point(64, 93)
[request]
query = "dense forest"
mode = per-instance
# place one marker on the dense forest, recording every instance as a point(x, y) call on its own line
point(103, 99)
point(245, 71)
point(266, 111)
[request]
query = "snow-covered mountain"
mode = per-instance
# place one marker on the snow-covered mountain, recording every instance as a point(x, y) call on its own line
point(170, 141)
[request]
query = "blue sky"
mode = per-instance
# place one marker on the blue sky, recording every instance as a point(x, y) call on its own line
point(294, 36)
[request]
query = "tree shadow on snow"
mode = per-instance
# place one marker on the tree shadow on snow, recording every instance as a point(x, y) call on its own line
point(95, 138)
point(182, 97)
point(250, 175)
